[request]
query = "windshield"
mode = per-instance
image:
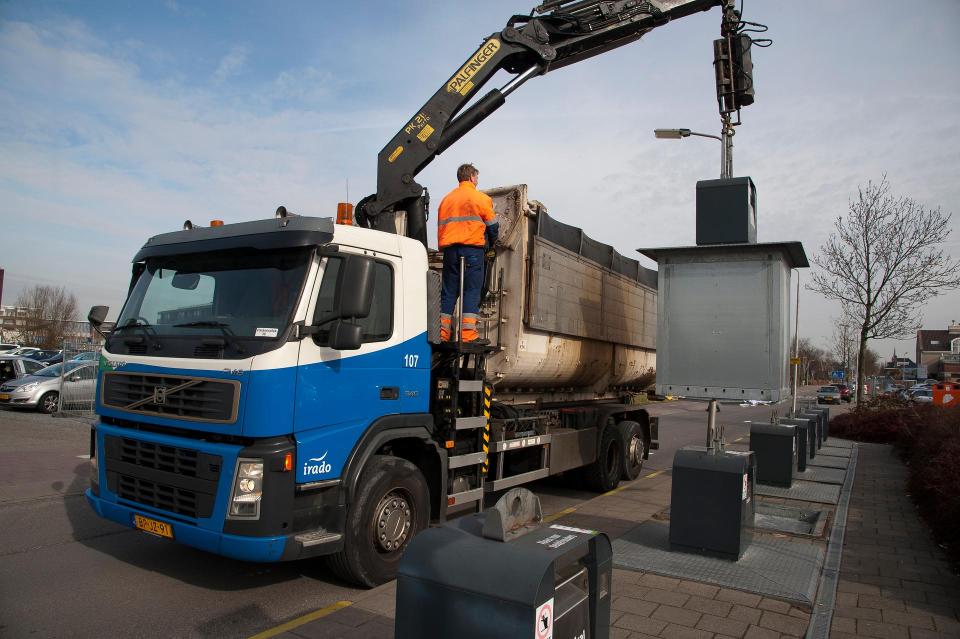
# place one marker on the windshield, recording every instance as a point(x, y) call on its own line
point(54, 371)
point(828, 389)
point(250, 293)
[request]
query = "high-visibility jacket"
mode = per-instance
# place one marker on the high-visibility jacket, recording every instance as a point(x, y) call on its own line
point(464, 216)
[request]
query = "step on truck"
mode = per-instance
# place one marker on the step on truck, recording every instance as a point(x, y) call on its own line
point(277, 389)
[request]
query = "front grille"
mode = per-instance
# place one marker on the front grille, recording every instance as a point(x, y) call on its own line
point(179, 480)
point(181, 397)
point(176, 500)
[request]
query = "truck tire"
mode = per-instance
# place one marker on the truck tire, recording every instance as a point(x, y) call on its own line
point(604, 474)
point(633, 445)
point(391, 505)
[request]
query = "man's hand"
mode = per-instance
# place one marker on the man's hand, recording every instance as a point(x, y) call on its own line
point(491, 253)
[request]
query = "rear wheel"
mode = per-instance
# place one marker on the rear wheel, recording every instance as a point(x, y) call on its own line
point(633, 447)
point(604, 474)
point(391, 505)
point(48, 403)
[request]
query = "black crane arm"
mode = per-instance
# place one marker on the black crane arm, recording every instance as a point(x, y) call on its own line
point(556, 34)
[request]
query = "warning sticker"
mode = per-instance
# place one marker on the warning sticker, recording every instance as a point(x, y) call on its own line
point(544, 628)
point(746, 488)
point(265, 332)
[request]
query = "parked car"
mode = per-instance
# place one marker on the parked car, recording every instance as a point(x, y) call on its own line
point(846, 394)
point(922, 396)
point(24, 351)
point(48, 357)
point(15, 367)
point(88, 356)
point(42, 389)
point(6, 348)
point(828, 395)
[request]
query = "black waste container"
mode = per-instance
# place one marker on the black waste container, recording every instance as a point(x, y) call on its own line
point(802, 437)
point(774, 447)
point(711, 501)
point(812, 436)
point(823, 421)
point(549, 581)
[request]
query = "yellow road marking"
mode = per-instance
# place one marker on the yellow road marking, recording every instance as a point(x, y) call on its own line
point(299, 621)
point(567, 511)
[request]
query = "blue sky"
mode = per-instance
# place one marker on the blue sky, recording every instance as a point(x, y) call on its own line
point(122, 119)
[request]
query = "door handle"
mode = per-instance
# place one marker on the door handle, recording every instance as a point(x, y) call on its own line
point(390, 392)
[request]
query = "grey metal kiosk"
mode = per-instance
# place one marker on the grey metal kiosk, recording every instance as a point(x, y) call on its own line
point(504, 574)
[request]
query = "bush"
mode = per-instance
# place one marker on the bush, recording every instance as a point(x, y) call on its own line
point(928, 439)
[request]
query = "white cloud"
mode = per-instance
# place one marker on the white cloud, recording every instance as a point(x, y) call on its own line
point(231, 64)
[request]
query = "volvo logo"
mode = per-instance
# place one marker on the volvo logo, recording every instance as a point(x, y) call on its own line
point(160, 395)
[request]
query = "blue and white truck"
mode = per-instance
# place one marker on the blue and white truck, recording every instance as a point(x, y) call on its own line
point(276, 389)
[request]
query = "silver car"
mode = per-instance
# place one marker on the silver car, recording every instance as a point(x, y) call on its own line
point(42, 389)
point(828, 395)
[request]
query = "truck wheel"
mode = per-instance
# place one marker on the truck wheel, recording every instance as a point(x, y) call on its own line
point(48, 403)
point(604, 474)
point(633, 445)
point(392, 504)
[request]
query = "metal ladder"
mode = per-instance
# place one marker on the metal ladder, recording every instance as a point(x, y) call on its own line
point(462, 404)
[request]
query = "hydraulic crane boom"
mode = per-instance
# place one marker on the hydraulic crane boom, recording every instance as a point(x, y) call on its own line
point(556, 34)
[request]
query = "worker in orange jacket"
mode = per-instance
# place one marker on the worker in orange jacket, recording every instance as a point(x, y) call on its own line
point(465, 226)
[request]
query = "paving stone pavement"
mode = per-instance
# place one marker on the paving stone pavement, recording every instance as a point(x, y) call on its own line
point(894, 580)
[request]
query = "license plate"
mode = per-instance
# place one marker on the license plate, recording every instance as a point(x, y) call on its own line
point(152, 526)
point(5, 397)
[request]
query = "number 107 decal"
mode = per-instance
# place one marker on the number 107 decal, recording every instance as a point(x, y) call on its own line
point(410, 361)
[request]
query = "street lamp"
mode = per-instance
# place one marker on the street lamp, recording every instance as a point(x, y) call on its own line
point(726, 148)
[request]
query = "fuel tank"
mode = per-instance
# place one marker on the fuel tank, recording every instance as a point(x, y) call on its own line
point(574, 318)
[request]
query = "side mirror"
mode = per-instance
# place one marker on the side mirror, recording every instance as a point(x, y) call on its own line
point(96, 315)
point(345, 336)
point(74, 378)
point(355, 287)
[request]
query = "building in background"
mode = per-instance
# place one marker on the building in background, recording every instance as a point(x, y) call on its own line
point(939, 352)
point(15, 319)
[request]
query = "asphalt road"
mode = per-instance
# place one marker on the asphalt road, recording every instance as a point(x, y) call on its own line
point(64, 572)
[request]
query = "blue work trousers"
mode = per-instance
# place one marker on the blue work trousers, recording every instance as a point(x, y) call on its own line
point(472, 279)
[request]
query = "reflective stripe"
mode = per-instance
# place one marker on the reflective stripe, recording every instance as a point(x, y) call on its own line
point(462, 218)
point(446, 318)
point(472, 316)
point(491, 222)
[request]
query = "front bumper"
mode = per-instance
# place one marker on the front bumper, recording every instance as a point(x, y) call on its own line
point(26, 400)
point(262, 540)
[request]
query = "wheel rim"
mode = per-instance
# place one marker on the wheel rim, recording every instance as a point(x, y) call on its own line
point(394, 518)
point(50, 403)
point(635, 452)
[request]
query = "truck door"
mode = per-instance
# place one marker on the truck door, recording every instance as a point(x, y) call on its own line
point(339, 393)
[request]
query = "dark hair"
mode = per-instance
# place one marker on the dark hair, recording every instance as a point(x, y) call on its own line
point(465, 172)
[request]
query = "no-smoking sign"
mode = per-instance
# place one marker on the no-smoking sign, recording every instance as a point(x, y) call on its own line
point(544, 628)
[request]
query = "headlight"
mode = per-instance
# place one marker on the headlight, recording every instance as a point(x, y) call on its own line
point(247, 489)
point(26, 388)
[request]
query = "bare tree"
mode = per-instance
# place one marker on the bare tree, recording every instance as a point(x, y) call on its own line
point(813, 361)
point(843, 345)
point(48, 309)
point(882, 262)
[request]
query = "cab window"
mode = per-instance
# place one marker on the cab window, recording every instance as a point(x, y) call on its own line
point(378, 325)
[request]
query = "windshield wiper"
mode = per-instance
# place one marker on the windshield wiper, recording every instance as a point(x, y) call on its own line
point(230, 336)
point(145, 326)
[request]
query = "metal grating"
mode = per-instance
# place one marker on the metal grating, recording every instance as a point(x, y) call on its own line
point(841, 443)
point(822, 475)
point(789, 520)
point(195, 399)
point(825, 461)
point(781, 568)
point(176, 500)
point(833, 451)
point(803, 491)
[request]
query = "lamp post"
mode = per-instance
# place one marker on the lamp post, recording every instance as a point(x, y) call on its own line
point(726, 142)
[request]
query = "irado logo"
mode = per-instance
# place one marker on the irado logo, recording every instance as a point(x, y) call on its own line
point(316, 466)
point(461, 83)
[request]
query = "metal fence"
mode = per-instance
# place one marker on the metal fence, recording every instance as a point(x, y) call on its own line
point(78, 380)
